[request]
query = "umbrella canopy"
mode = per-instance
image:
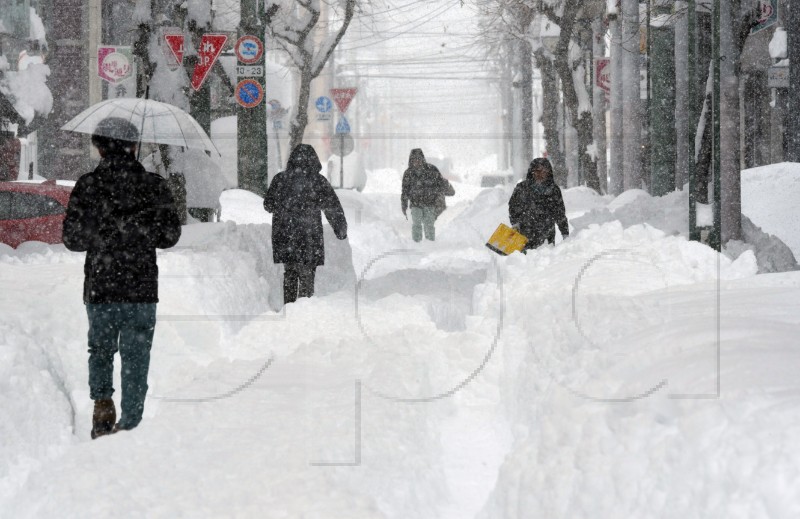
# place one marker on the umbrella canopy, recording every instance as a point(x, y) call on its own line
point(158, 123)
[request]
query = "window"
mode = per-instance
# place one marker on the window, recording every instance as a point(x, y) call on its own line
point(30, 205)
point(5, 205)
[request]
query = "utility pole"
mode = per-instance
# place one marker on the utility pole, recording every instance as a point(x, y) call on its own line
point(251, 124)
point(682, 111)
point(691, 21)
point(615, 174)
point(730, 197)
point(662, 134)
point(793, 52)
point(715, 240)
point(631, 93)
point(599, 103)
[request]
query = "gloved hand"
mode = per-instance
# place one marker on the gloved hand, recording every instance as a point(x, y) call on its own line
point(404, 213)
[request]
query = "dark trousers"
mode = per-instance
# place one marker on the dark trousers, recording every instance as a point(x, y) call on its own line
point(298, 281)
point(127, 328)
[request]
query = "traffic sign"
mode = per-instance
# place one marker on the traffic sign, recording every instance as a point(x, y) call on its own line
point(767, 15)
point(249, 93)
point(324, 104)
point(210, 48)
point(114, 64)
point(778, 77)
point(342, 145)
point(342, 97)
point(175, 44)
point(342, 126)
point(602, 74)
point(249, 71)
point(249, 49)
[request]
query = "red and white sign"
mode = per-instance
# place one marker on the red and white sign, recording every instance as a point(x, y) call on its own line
point(602, 74)
point(114, 64)
point(342, 97)
point(249, 93)
point(210, 48)
point(175, 44)
point(249, 49)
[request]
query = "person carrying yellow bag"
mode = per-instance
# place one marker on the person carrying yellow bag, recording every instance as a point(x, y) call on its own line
point(536, 207)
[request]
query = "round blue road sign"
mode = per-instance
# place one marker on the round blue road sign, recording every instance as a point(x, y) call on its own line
point(249, 93)
point(324, 104)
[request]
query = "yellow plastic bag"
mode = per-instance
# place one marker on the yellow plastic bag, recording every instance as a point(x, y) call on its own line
point(506, 240)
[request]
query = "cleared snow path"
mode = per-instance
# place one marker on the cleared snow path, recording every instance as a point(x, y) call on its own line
point(327, 410)
point(417, 375)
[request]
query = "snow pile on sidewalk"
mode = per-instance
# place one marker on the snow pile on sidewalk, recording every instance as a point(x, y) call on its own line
point(612, 385)
point(670, 214)
point(770, 197)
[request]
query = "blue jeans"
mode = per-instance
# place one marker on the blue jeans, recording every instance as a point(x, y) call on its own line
point(127, 328)
point(422, 218)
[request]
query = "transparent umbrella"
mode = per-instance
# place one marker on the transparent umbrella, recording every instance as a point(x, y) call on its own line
point(157, 122)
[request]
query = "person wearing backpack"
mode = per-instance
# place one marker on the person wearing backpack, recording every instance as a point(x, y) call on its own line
point(424, 189)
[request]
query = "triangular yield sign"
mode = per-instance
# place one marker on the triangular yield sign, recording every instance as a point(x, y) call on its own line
point(175, 43)
point(342, 97)
point(210, 48)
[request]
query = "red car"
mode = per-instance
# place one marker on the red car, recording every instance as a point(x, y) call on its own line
point(32, 212)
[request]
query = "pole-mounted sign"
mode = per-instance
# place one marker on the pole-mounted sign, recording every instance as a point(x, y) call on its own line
point(249, 93)
point(114, 64)
point(175, 45)
point(342, 97)
point(767, 15)
point(602, 74)
point(249, 49)
point(210, 48)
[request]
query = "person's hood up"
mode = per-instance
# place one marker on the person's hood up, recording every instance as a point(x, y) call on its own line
point(416, 155)
point(304, 158)
point(546, 164)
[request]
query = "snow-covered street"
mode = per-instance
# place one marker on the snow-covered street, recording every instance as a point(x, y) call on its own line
point(626, 372)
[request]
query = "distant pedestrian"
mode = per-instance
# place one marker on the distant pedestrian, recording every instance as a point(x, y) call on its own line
point(120, 214)
point(424, 189)
point(536, 206)
point(297, 196)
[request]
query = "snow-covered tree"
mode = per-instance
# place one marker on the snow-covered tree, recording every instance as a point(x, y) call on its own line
point(309, 31)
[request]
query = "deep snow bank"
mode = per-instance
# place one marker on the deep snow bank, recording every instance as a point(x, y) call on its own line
point(611, 378)
point(218, 277)
point(770, 196)
point(670, 214)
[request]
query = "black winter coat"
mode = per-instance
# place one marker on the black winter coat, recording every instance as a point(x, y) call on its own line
point(424, 187)
point(537, 212)
point(297, 197)
point(119, 214)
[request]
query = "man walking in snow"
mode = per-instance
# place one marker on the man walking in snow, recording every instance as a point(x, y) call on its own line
point(297, 197)
point(119, 214)
point(536, 206)
point(424, 189)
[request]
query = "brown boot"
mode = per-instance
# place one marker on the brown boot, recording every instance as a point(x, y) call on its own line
point(105, 415)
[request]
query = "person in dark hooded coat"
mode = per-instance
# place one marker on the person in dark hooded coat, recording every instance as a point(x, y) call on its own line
point(297, 196)
point(120, 214)
point(424, 189)
point(536, 206)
